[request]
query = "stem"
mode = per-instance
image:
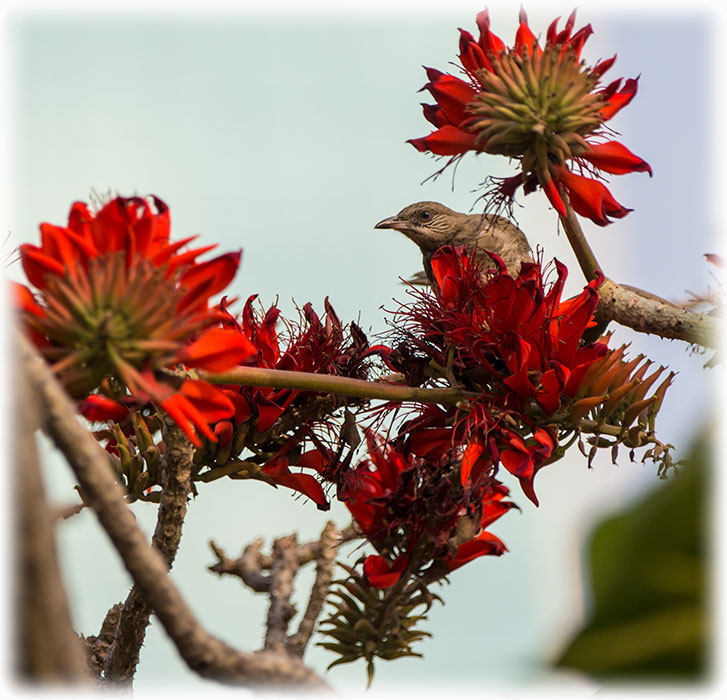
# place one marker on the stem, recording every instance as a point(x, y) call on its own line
point(584, 254)
point(332, 384)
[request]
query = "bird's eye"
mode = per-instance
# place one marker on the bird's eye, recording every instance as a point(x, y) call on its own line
point(425, 215)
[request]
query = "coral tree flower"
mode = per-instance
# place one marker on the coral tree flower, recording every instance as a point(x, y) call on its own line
point(513, 340)
point(539, 105)
point(410, 508)
point(117, 299)
point(262, 415)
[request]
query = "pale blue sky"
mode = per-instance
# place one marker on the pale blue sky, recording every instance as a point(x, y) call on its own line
point(285, 135)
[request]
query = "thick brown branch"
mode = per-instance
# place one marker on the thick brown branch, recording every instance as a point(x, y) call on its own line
point(648, 314)
point(48, 650)
point(635, 308)
point(203, 653)
point(325, 563)
point(282, 575)
point(122, 657)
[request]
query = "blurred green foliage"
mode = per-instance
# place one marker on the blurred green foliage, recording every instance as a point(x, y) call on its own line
point(649, 574)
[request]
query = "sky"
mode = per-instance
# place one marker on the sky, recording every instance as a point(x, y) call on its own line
point(282, 132)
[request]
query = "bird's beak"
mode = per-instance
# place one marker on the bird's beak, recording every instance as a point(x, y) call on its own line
point(392, 222)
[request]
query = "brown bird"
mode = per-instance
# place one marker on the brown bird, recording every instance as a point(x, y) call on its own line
point(431, 225)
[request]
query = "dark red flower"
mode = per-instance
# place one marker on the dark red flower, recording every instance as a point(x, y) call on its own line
point(115, 297)
point(540, 106)
point(410, 508)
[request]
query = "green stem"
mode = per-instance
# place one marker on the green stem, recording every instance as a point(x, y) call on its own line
point(585, 256)
point(342, 386)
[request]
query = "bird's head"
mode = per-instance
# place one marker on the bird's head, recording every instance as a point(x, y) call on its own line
point(429, 224)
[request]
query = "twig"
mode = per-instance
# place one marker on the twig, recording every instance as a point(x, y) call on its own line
point(97, 646)
point(325, 563)
point(248, 566)
point(206, 655)
point(282, 575)
point(122, 657)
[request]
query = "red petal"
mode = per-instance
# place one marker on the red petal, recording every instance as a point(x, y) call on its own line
point(618, 100)
point(217, 350)
point(446, 141)
point(218, 272)
point(554, 196)
point(101, 408)
point(615, 158)
point(470, 456)
point(380, 574)
point(590, 198)
point(303, 483)
point(484, 544)
point(208, 400)
point(525, 39)
point(453, 95)
point(37, 265)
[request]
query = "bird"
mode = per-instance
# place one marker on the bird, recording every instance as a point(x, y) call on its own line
point(432, 225)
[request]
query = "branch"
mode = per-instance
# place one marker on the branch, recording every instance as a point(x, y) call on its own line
point(332, 384)
point(122, 657)
point(97, 646)
point(282, 574)
point(206, 655)
point(650, 314)
point(47, 647)
point(642, 311)
point(283, 566)
point(248, 566)
point(325, 564)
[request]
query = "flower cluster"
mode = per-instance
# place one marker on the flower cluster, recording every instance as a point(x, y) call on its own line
point(539, 105)
point(417, 514)
point(119, 307)
point(275, 423)
point(520, 349)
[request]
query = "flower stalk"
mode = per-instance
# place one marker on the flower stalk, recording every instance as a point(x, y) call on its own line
point(341, 386)
point(584, 253)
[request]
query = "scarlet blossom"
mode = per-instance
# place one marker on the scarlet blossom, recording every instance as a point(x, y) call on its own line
point(410, 508)
point(115, 297)
point(541, 106)
point(513, 340)
point(314, 344)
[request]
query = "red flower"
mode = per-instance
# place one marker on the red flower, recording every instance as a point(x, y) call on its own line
point(116, 298)
point(541, 106)
point(409, 508)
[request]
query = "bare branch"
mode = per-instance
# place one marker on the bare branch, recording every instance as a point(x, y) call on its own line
point(48, 648)
point(203, 653)
point(325, 564)
point(635, 308)
point(646, 313)
point(97, 646)
point(248, 566)
point(122, 657)
point(282, 575)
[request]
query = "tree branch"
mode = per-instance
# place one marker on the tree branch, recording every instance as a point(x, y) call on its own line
point(47, 647)
point(203, 653)
point(282, 574)
point(122, 657)
point(649, 314)
point(325, 564)
point(635, 308)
